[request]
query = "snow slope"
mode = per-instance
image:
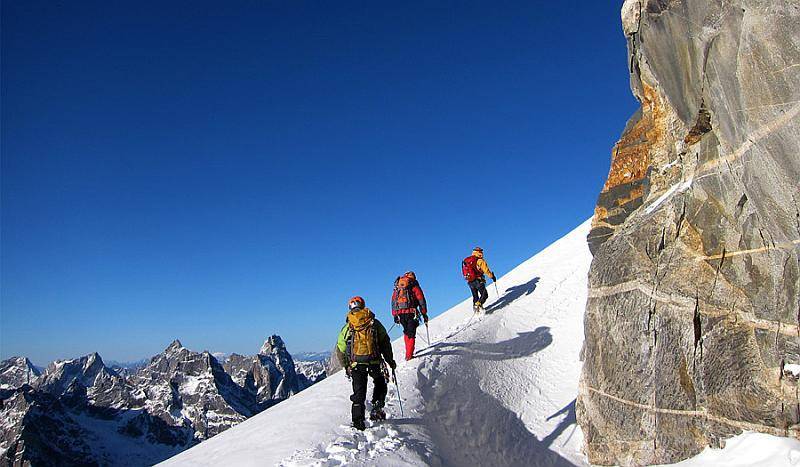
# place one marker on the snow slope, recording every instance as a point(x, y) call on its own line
point(498, 389)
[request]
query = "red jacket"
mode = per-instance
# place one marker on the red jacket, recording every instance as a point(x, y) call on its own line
point(420, 298)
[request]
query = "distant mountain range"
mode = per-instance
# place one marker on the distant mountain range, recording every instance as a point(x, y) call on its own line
point(87, 412)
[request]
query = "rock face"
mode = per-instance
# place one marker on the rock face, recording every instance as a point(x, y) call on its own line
point(694, 296)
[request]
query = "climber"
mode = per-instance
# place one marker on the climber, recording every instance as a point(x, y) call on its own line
point(362, 347)
point(408, 304)
point(474, 269)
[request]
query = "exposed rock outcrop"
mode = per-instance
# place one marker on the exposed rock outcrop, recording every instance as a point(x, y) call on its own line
point(694, 294)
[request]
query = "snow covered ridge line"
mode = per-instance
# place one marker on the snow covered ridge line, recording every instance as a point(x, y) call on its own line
point(496, 389)
point(80, 411)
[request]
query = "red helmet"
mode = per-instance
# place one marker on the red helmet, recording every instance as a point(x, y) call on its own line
point(356, 302)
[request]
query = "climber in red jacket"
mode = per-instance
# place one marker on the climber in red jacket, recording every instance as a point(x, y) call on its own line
point(408, 302)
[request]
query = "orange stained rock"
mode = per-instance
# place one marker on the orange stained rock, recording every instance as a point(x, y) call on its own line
point(632, 154)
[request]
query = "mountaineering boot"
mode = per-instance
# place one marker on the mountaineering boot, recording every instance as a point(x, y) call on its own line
point(377, 414)
point(360, 425)
point(477, 308)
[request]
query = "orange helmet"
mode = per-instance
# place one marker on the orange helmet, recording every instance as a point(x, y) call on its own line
point(410, 275)
point(356, 302)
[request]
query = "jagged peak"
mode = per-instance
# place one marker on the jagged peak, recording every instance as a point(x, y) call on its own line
point(174, 346)
point(20, 362)
point(94, 357)
point(273, 344)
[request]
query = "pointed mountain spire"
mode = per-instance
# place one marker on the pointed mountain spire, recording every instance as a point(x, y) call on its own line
point(174, 346)
point(272, 344)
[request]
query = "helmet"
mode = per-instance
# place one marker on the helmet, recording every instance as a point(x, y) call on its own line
point(478, 249)
point(410, 275)
point(355, 302)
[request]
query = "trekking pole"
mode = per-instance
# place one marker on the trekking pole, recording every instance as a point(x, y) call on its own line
point(496, 290)
point(428, 332)
point(390, 329)
point(399, 399)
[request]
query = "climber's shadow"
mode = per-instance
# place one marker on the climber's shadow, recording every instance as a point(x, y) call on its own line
point(524, 345)
point(513, 294)
point(569, 420)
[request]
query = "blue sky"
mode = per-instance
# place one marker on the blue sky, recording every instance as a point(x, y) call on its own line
point(218, 172)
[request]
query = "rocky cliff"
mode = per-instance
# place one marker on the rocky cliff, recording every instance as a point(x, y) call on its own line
point(693, 304)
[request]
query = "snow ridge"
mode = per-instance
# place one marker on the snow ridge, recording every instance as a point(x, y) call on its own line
point(497, 389)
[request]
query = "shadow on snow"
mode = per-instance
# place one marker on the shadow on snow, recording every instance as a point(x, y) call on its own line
point(524, 345)
point(470, 427)
point(569, 420)
point(512, 294)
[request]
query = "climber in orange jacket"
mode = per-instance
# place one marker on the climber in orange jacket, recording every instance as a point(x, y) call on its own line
point(475, 270)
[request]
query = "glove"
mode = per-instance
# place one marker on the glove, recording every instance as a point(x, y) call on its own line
point(392, 364)
point(348, 372)
point(494, 278)
point(425, 318)
point(397, 319)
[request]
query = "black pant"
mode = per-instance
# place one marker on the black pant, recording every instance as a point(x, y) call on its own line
point(409, 322)
point(479, 293)
point(359, 396)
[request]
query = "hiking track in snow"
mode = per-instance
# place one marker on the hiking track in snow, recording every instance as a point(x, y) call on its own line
point(494, 389)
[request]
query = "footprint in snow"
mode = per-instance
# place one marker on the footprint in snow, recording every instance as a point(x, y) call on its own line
point(352, 446)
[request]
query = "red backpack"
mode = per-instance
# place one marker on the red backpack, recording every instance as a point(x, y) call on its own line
point(403, 297)
point(469, 268)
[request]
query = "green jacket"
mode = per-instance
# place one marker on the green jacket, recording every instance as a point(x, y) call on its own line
point(384, 344)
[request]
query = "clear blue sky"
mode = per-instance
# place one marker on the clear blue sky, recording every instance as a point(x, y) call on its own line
point(221, 171)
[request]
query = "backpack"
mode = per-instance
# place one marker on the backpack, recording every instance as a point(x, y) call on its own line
point(403, 297)
point(362, 342)
point(469, 268)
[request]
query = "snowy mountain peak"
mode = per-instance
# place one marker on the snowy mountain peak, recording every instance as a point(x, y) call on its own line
point(64, 376)
point(93, 362)
point(17, 371)
point(272, 345)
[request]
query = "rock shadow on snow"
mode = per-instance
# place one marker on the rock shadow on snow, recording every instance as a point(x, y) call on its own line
point(470, 427)
point(512, 294)
point(524, 345)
